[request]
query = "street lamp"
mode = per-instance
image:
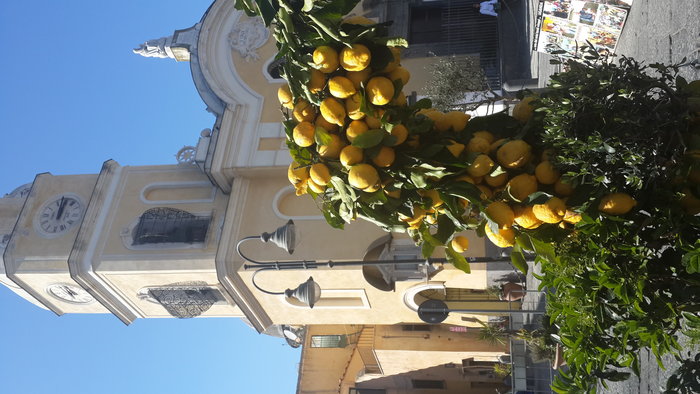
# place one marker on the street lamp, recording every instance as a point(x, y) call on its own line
point(308, 293)
point(436, 311)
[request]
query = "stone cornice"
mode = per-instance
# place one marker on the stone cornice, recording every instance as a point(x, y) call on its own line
point(80, 261)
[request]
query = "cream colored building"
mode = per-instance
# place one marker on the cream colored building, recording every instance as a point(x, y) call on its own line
point(160, 241)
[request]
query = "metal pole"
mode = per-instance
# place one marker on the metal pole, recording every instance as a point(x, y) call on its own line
point(310, 264)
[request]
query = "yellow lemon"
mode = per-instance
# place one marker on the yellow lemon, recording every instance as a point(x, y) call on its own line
point(546, 173)
point(352, 107)
point(413, 141)
point(351, 155)
point(496, 144)
point(481, 166)
point(320, 174)
point(315, 187)
point(380, 90)
point(396, 53)
point(478, 144)
point(358, 20)
point(514, 154)
point(617, 204)
point(356, 58)
point(375, 122)
point(501, 213)
point(552, 211)
point(385, 157)
point(504, 239)
point(524, 109)
point(522, 186)
point(400, 73)
point(355, 128)
point(284, 95)
point(465, 178)
point(460, 243)
point(563, 188)
point(321, 122)
point(362, 176)
point(325, 59)
point(301, 187)
point(455, 148)
point(359, 77)
point(434, 197)
point(547, 155)
point(400, 132)
point(497, 180)
point(317, 81)
point(341, 87)
point(333, 111)
point(434, 115)
point(572, 217)
point(457, 120)
point(304, 112)
point(525, 218)
point(297, 174)
point(486, 193)
point(400, 100)
point(303, 134)
point(440, 121)
point(485, 135)
point(332, 150)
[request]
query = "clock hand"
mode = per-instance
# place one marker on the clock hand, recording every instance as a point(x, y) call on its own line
point(61, 207)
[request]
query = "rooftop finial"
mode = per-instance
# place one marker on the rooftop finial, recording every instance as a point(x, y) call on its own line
point(156, 48)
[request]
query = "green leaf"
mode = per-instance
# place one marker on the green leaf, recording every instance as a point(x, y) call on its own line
point(308, 5)
point(446, 228)
point(518, 259)
point(457, 260)
point(322, 137)
point(369, 139)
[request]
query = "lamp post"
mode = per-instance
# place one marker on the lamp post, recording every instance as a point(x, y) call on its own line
point(309, 292)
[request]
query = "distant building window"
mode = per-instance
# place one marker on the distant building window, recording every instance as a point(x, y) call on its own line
point(329, 341)
point(415, 327)
point(366, 391)
point(169, 225)
point(426, 23)
point(428, 384)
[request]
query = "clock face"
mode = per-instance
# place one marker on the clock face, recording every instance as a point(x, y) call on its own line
point(70, 293)
point(59, 215)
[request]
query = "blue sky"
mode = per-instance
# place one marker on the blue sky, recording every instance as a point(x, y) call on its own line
point(74, 95)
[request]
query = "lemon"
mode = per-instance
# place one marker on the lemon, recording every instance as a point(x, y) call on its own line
point(341, 87)
point(572, 217)
point(356, 58)
point(547, 155)
point(457, 120)
point(352, 107)
point(371, 189)
point(497, 180)
point(333, 111)
point(321, 122)
point(320, 174)
point(351, 155)
point(485, 135)
point(465, 178)
point(301, 187)
point(504, 239)
point(325, 59)
point(355, 128)
point(514, 154)
point(478, 144)
point(396, 53)
point(385, 157)
point(455, 148)
point(359, 77)
point(396, 193)
point(400, 100)
point(546, 173)
point(297, 174)
point(481, 166)
point(525, 218)
point(486, 193)
point(523, 110)
point(317, 81)
point(563, 188)
point(400, 132)
point(362, 176)
point(284, 95)
point(433, 195)
point(304, 112)
point(552, 211)
point(690, 203)
point(413, 141)
point(332, 150)
point(617, 204)
point(303, 134)
point(436, 116)
point(496, 144)
point(315, 187)
point(460, 243)
point(380, 90)
point(500, 213)
point(400, 73)
point(375, 122)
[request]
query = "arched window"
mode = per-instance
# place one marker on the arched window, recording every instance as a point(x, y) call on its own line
point(170, 225)
point(273, 70)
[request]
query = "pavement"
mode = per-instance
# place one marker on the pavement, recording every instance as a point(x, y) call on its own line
point(665, 31)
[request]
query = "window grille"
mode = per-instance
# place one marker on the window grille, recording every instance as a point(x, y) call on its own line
point(329, 341)
point(170, 225)
point(415, 327)
point(185, 301)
